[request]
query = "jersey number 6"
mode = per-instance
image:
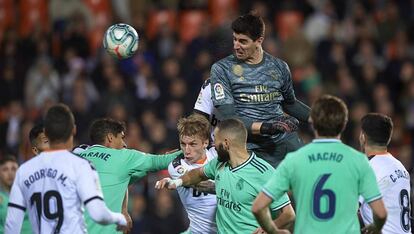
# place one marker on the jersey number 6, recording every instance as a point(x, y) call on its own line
point(327, 195)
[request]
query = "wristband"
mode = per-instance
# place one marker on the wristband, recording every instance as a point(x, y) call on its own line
point(266, 128)
point(177, 182)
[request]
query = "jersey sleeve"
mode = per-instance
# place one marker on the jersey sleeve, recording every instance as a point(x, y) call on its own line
point(276, 203)
point(88, 184)
point(173, 173)
point(16, 198)
point(210, 169)
point(221, 93)
point(139, 161)
point(287, 90)
point(204, 102)
point(368, 186)
point(279, 183)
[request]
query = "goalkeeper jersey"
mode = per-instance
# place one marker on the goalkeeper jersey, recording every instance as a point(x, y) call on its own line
point(257, 92)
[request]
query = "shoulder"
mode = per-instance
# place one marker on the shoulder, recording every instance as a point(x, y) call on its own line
point(77, 159)
point(176, 166)
point(261, 165)
point(206, 84)
point(277, 62)
point(211, 153)
point(224, 62)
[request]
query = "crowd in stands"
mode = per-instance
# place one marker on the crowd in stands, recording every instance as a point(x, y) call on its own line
point(51, 51)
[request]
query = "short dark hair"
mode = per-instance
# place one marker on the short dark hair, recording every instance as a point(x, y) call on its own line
point(7, 158)
point(329, 116)
point(59, 123)
point(100, 128)
point(251, 25)
point(35, 132)
point(377, 128)
point(234, 127)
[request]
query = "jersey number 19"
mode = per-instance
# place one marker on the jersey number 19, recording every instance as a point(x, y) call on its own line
point(43, 206)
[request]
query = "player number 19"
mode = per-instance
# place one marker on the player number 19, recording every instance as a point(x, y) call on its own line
point(50, 197)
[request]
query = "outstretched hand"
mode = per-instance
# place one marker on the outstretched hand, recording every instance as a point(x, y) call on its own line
point(165, 183)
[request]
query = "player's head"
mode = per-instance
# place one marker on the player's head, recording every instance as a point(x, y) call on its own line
point(376, 130)
point(38, 139)
point(59, 124)
point(108, 132)
point(230, 134)
point(329, 116)
point(248, 35)
point(194, 134)
point(8, 168)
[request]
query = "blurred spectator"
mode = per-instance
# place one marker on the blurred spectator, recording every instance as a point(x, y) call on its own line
point(165, 212)
point(42, 83)
point(360, 50)
point(10, 130)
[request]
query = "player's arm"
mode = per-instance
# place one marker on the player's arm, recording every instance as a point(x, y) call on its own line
point(379, 214)
point(156, 162)
point(261, 211)
point(125, 212)
point(207, 186)
point(297, 109)
point(192, 177)
point(16, 209)
point(290, 104)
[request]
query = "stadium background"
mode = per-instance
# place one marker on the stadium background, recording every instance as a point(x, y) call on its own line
point(50, 51)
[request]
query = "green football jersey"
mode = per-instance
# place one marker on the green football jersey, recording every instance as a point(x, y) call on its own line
point(326, 178)
point(236, 189)
point(116, 168)
point(4, 200)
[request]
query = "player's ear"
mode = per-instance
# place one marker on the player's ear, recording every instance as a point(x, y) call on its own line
point(35, 150)
point(205, 143)
point(109, 137)
point(74, 130)
point(260, 40)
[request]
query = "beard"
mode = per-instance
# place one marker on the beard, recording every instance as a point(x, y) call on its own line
point(222, 154)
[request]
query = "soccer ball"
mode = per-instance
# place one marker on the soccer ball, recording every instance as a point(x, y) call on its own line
point(121, 41)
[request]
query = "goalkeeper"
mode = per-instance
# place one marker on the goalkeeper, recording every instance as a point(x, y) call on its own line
point(256, 87)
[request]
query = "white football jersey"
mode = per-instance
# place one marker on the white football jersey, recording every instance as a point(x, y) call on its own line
point(205, 105)
point(53, 187)
point(394, 183)
point(200, 207)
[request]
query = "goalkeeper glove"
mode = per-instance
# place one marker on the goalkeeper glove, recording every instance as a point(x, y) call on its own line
point(281, 124)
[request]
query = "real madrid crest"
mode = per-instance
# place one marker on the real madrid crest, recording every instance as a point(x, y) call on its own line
point(238, 70)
